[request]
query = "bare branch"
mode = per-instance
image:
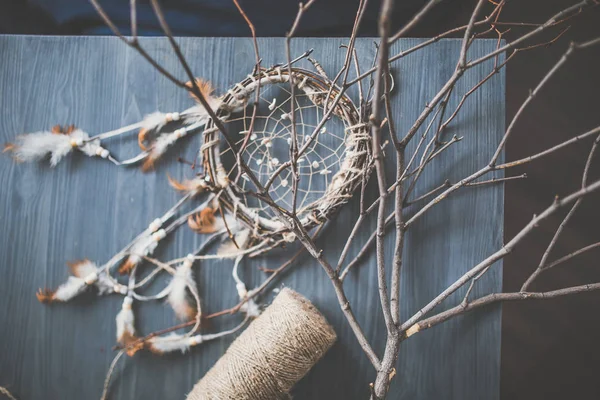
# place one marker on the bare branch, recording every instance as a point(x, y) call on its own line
point(492, 299)
point(551, 150)
point(500, 253)
point(415, 20)
point(133, 17)
point(576, 8)
point(256, 92)
point(572, 255)
point(565, 221)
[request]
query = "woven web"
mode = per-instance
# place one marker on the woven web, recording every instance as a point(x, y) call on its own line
point(269, 146)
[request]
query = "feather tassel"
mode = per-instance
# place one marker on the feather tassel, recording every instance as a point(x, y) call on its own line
point(65, 292)
point(57, 144)
point(198, 113)
point(125, 323)
point(144, 246)
point(207, 221)
point(85, 274)
point(91, 148)
point(206, 89)
point(178, 297)
point(37, 146)
point(195, 185)
point(85, 268)
point(173, 342)
point(250, 308)
point(231, 246)
point(154, 122)
point(160, 146)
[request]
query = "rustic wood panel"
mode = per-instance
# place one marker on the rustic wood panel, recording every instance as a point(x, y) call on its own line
point(89, 208)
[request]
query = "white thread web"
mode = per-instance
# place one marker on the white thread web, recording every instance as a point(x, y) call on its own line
point(269, 146)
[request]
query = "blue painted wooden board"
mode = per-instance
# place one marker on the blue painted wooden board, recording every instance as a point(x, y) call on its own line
point(89, 208)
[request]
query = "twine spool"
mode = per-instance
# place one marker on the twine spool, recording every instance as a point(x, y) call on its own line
point(271, 355)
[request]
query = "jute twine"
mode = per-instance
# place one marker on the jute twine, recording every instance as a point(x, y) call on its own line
point(271, 355)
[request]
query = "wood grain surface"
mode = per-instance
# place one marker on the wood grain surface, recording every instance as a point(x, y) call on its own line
point(90, 208)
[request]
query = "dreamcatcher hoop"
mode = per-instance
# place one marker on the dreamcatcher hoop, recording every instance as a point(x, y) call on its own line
point(354, 165)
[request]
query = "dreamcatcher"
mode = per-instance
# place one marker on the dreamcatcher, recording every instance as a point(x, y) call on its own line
point(333, 160)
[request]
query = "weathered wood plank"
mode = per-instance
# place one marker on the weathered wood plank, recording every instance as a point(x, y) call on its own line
point(88, 208)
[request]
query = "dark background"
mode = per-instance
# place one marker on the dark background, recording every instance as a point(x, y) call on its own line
point(550, 349)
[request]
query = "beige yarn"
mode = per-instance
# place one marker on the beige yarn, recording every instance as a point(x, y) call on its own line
point(271, 355)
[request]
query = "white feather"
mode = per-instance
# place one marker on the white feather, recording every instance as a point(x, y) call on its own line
point(154, 121)
point(70, 289)
point(241, 237)
point(162, 143)
point(88, 148)
point(144, 246)
point(104, 285)
point(37, 146)
point(125, 321)
point(178, 298)
point(232, 223)
point(198, 113)
point(250, 308)
point(88, 268)
point(173, 342)
point(84, 268)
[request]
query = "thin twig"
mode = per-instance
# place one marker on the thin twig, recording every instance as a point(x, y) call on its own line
point(506, 249)
point(492, 299)
point(565, 221)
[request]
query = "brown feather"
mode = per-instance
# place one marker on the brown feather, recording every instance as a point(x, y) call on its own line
point(127, 338)
point(204, 221)
point(127, 266)
point(63, 130)
point(188, 185)
point(9, 147)
point(154, 349)
point(206, 88)
point(142, 138)
point(180, 186)
point(75, 265)
point(132, 348)
point(190, 312)
point(45, 296)
point(148, 165)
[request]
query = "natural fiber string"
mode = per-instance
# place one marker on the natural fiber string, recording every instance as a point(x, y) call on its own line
point(272, 354)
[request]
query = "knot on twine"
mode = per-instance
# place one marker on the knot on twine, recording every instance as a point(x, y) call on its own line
point(271, 355)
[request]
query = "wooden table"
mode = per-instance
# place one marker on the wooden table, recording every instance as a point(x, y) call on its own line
point(89, 208)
